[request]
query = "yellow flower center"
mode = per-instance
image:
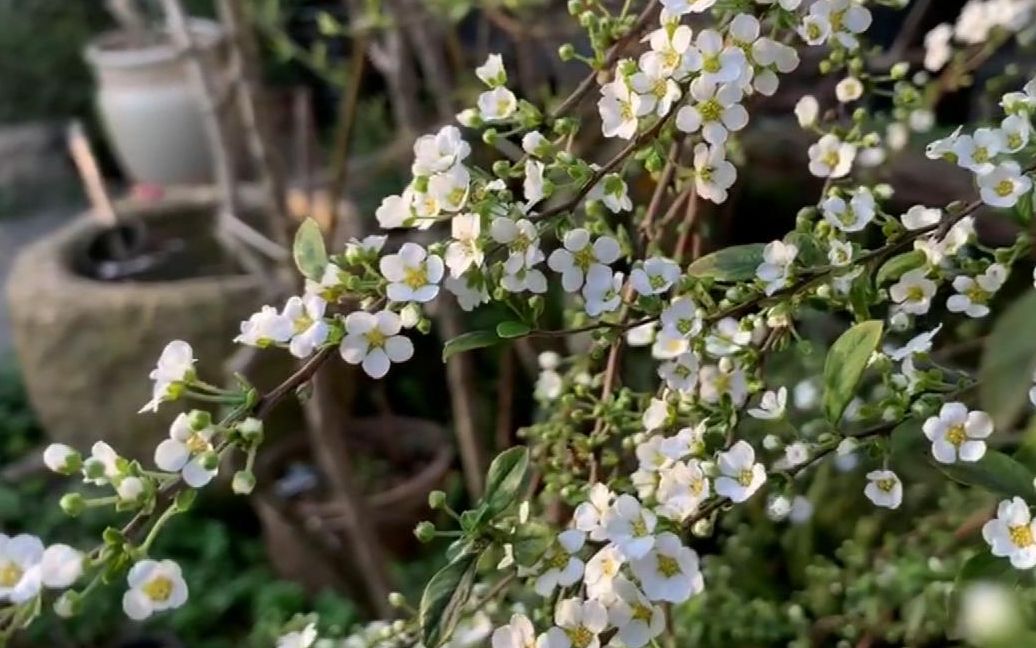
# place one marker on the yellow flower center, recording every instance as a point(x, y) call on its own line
point(641, 612)
point(1004, 188)
point(415, 277)
point(639, 528)
point(375, 338)
point(976, 294)
point(745, 477)
point(813, 31)
point(1021, 535)
point(670, 58)
point(711, 64)
point(722, 382)
point(837, 19)
point(915, 294)
point(886, 485)
point(981, 154)
point(502, 106)
point(579, 636)
point(158, 589)
point(585, 258)
point(710, 110)
point(667, 566)
point(558, 560)
point(831, 158)
point(197, 444)
point(955, 435)
point(660, 88)
point(1014, 140)
point(10, 574)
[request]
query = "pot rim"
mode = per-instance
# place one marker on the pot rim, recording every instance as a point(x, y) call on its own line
point(102, 51)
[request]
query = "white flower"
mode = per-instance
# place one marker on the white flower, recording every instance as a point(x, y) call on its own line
point(807, 110)
point(778, 507)
point(884, 489)
point(618, 107)
point(851, 216)
point(266, 327)
point(101, 467)
point(578, 256)
point(957, 434)
point(439, 152)
point(727, 338)
point(775, 269)
point(549, 385)
point(60, 566)
point(920, 217)
point(1012, 534)
point(577, 624)
point(175, 368)
point(465, 249)
point(974, 293)
point(61, 459)
point(921, 343)
point(771, 405)
point(913, 292)
point(154, 586)
point(309, 330)
point(840, 253)
point(846, 18)
point(129, 489)
point(717, 110)
point(830, 157)
point(717, 62)
point(20, 577)
point(1003, 185)
point(713, 173)
point(492, 72)
point(601, 572)
point(630, 527)
point(470, 294)
point(976, 152)
point(740, 475)
point(641, 335)
point(413, 274)
point(448, 190)
point(849, 89)
point(518, 633)
point(656, 414)
point(185, 451)
point(497, 104)
point(534, 187)
point(670, 571)
point(590, 515)
point(637, 619)
point(682, 487)
point(563, 567)
point(602, 291)
point(937, 47)
point(522, 241)
point(668, 47)
point(681, 373)
point(796, 454)
point(374, 342)
point(680, 321)
point(613, 193)
point(655, 275)
point(681, 7)
point(1016, 130)
point(814, 30)
point(654, 84)
point(303, 638)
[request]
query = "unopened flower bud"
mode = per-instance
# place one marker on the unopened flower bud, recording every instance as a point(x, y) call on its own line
point(899, 70)
point(199, 419)
point(72, 504)
point(424, 531)
point(410, 316)
point(702, 528)
point(68, 604)
point(62, 459)
point(566, 52)
point(436, 500)
point(130, 489)
point(396, 600)
point(251, 429)
point(209, 460)
point(243, 482)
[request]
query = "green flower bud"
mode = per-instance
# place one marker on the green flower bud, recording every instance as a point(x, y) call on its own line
point(199, 419)
point(501, 168)
point(436, 500)
point(396, 600)
point(210, 461)
point(566, 52)
point(424, 531)
point(899, 70)
point(68, 605)
point(251, 429)
point(72, 504)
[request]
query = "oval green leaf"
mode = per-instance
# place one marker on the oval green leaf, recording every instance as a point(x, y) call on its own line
point(1005, 372)
point(735, 263)
point(511, 329)
point(469, 341)
point(899, 265)
point(506, 479)
point(845, 364)
point(444, 597)
point(995, 472)
point(309, 251)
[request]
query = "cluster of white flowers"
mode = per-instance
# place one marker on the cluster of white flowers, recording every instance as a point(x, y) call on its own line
point(975, 25)
point(27, 566)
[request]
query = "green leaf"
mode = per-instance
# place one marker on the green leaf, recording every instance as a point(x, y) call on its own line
point(512, 329)
point(735, 263)
point(469, 341)
point(845, 364)
point(906, 443)
point(308, 250)
point(899, 265)
point(444, 597)
point(506, 479)
point(531, 541)
point(1005, 372)
point(995, 472)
